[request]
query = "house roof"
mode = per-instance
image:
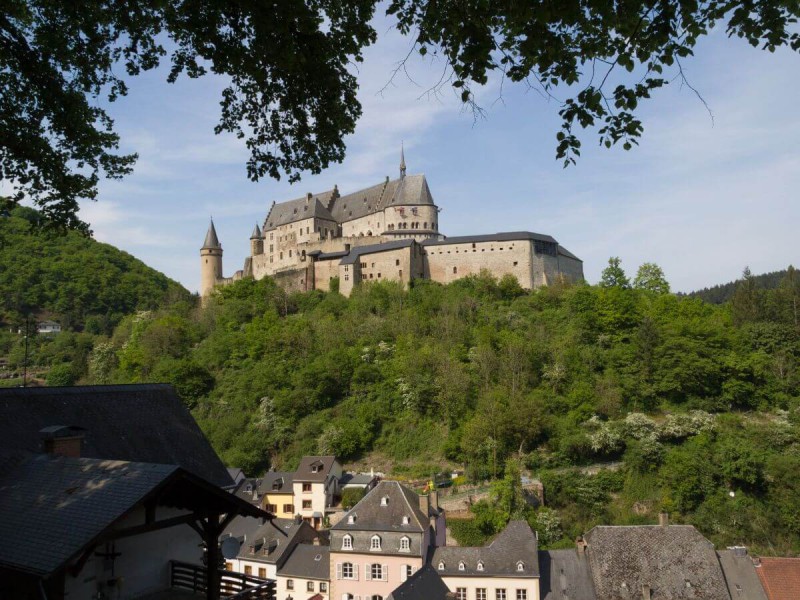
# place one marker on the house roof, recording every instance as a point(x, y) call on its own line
point(515, 545)
point(308, 561)
point(676, 561)
point(306, 470)
point(271, 542)
point(425, 584)
point(564, 252)
point(357, 252)
point(356, 479)
point(55, 507)
point(276, 482)
point(371, 515)
point(565, 575)
point(509, 236)
point(740, 575)
point(780, 577)
point(298, 209)
point(139, 423)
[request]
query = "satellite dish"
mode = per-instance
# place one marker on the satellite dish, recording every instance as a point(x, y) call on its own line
point(230, 547)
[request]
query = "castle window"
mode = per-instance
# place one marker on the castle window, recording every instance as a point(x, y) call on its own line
point(425, 225)
point(281, 255)
point(397, 262)
point(473, 245)
point(455, 270)
point(379, 275)
point(370, 275)
point(290, 254)
point(401, 273)
point(515, 263)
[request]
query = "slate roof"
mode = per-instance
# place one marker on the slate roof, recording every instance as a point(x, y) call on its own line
point(53, 507)
point(740, 575)
point(355, 479)
point(308, 562)
point(276, 482)
point(509, 236)
point(564, 252)
point(139, 423)
point(676, 561)
point(425, 584)
point(256, 235)
point(304, 472)
point(211, 240)
point(371, 516)
point(270, 542)
point(356, 253)
point(565, 575)
point(515, 544)
point(780, 577)
point(290, 211)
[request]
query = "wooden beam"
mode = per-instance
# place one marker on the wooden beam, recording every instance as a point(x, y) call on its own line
point(212, 530)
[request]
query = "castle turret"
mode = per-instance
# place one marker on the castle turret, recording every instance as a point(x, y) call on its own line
point(210, 261)
point(256, 242)
point(402, 162)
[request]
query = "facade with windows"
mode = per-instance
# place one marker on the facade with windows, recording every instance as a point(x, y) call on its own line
point(316, 487)
point(382, 541)
point(305, 573)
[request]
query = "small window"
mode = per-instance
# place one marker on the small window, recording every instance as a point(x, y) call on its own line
point(375, 542)
point(290, 584)
point(480, 565)
point(262, 573)
point(461, 593)
point(441, 566)
point(310, 586)
point(306, 487)
point(500, 594)
point(480, 594)
point(347, 570)
point(405, 519)
point(288, 509)
point(515, 263)
point(351, 519)
point(405, 544)
point(323, 586)
point(347, 542)
point(455, 270)
point(520, 566)
point(522, 594)
point(461, 566)
point(376, 571)
point(306, 504)
point(385, 501)
point(397, 262)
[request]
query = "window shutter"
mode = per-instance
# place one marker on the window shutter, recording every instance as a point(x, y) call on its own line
point(367, 572)
point(385, 573)
point(355, 571)
point(338, 570)
point(403, 573)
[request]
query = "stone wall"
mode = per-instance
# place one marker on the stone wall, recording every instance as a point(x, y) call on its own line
point(447, 262)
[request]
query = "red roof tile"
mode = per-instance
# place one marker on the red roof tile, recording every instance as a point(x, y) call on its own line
point(780, 578)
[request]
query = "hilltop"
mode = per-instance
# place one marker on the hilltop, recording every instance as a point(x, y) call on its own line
point(722, 293)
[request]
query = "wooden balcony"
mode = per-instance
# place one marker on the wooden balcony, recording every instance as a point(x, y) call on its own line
point(193, 579)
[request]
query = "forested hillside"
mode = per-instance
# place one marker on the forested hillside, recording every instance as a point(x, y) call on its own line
point(719, 294)
point(699, 404)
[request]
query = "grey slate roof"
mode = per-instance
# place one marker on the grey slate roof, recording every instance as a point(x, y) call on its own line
point(355, 479)
point(256, 235)
point(298, 209)
point(509, 236)
point(425, 584)
point(515, 544)
point(676, 561)
point(140, 423)
point(565, 575)
point(564, 252)
point(371, 516)
point(211, 240)
point(271, 542)
point(305, 472)
point(276, 482)
point(356, 253)
point(308, 562)
point(740, 575)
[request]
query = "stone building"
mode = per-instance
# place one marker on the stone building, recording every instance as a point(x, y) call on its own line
point(387, 232)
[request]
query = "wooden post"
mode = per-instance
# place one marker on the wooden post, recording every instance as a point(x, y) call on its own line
point(212, 532)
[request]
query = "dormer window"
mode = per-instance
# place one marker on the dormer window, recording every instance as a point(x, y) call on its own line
point(385, 501)
point(441, 566)
point(520, 566)
point(315, 468)
point(248, 488)
point(461, 566)
point(375, 542)
point(347, 542)
point(351, 519)
point(480, 565)
point(405, 519)
point(405, 544)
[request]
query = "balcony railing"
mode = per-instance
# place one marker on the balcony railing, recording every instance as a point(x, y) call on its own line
point(232, 586)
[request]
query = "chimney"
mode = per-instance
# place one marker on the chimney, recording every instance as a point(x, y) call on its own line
point(308, 197)
point(63, 440)
point(434, 500)
point(581, 544)
point(425, 505)
point(645, 592)
point(663, 519)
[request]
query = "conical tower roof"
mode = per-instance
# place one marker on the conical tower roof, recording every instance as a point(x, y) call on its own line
point(211, 238)
point(256, 235)
point(402, 161)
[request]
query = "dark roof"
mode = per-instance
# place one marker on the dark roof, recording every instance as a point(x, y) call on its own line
point(276, 482)
point(564, 252)
point(370, 515)
point(211, 240)
point(425, 584)
point(509, 236)
point(740, 575)
point(358, 251)
point(54, 507)
point(565, 575)
point(781, 577)
point(256, 235)
point(514, 545)
point(140, 423)
point(270, 542)
point(355, 479)
point(409, 190)
point(309, 562)
point(290, 211)
point(329, 255)
point(305, 472)
point(676, 561)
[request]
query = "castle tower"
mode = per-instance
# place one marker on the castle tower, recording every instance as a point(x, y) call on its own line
point(210, 261)
point(256, 242)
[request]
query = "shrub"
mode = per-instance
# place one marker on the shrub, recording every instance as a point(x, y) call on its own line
point(351, 497)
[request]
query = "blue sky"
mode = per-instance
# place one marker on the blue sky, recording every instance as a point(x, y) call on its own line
point(701, 199)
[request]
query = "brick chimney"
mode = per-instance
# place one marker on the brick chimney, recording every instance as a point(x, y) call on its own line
point(63, 440)
point(663, 519)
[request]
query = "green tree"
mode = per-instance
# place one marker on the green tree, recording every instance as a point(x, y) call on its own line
point(650, 277)
point(746, 301)
point(613, 275)
point(61, 375)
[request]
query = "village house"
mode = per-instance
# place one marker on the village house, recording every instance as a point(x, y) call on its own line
point(276, 490)
point(316, 487)
point(305, 573)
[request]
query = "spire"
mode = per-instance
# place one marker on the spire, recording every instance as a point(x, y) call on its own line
point(402, 161)
point(211, 237)
point(256, 235)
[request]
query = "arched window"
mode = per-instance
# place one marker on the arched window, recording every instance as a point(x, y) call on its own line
point(375, 542)
point(405, 544)
point(461, 566)
point(520, 566)
point(351, 519)
point(480, 565)
point(405, 517)
point(347, 542)
point(441, 566)
point(385, 501)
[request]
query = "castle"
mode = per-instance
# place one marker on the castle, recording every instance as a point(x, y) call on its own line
point(387, 232)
